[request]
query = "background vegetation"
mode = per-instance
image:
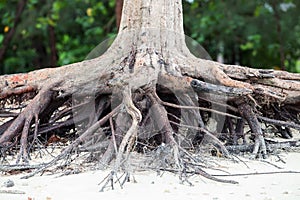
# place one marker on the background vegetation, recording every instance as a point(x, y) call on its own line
point(258, 33)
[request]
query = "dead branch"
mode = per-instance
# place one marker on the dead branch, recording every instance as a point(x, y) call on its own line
point(271, 147)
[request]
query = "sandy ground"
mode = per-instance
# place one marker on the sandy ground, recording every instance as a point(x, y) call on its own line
point(149, 185)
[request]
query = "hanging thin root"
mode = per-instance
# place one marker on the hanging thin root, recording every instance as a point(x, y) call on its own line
point(127, 141)
point(23, 154)
point(110, 179)
point(259, 145)
point(132, 132)
point(122, 121)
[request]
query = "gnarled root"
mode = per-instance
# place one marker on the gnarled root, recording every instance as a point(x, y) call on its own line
point(131, 134)
point(183, 159)
point(24, 121)
point(67, 151)
point(247, 112)
point(125, 147)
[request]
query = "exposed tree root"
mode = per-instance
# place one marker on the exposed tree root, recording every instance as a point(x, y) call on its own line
point(248, 114)
point(259, 173)
point(179, 121)
point(23, 122)
point(67, 151)
point(10, 168)
point(131, 134)
point(271, 146)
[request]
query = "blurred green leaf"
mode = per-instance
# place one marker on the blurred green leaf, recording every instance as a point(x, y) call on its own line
point(1, 38)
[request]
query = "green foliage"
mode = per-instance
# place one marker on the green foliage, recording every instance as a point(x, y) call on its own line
point(244, 32)
point(79, 27)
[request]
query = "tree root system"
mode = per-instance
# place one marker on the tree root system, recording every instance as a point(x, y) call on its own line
point(143, 95)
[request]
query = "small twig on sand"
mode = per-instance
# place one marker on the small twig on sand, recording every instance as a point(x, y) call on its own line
point(12, 192)
point(259, 173)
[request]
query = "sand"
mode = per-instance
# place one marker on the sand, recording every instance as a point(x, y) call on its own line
point(150, 185)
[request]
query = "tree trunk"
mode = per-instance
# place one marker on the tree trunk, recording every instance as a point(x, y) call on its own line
point(147, 88)
point(20, 7)
point(118, 10)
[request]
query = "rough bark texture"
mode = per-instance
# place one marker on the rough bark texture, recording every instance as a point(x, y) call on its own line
point(147, 91)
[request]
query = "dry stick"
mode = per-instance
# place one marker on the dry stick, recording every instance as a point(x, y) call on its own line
point(249, 147)
point(280, 123)
point(195, 107)
point(240, 174)
point(7, 168)
point(66, 111)
point(113, 136)
point(201, 172)
point(293, 108)
point(12, 192)
point(51, 126)
point(259, 173)
point(200, 86)
point(6, 114)
point(74, 144)
point(272, 164)
point(211, 177)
